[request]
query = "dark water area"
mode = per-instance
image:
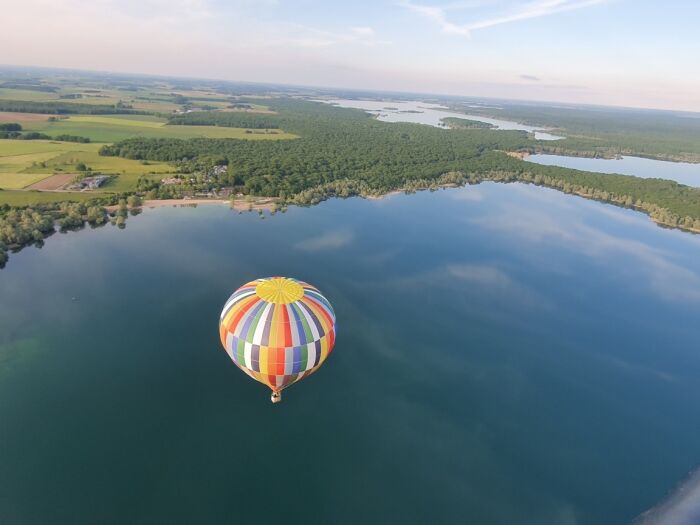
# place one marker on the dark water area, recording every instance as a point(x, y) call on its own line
point(505, 354)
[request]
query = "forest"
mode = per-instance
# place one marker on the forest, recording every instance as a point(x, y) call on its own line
point(465, 123)
point(605, 132)
point(345, 144)
point(335, 143)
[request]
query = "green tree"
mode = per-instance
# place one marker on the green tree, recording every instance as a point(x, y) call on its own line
point(134, 201)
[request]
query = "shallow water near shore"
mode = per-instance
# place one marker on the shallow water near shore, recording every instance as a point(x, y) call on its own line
point(505, 354)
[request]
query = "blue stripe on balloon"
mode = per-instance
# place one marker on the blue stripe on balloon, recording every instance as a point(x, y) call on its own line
point(296, 360)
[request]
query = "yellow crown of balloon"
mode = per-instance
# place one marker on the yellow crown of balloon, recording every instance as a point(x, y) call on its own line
point(279, 290)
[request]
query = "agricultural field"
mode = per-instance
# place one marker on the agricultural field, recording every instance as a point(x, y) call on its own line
point(20, 161)
point(36, 171)
point(17, 181)
point(27, 198)
point(25, 119)
point(127, 181)
point(113, 128)
point(48, 165)
point(23, 163)
point(27, 94)
point(148, 104)
point(254, 108)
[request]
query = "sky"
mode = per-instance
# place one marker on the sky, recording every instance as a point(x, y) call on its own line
point(640, 53)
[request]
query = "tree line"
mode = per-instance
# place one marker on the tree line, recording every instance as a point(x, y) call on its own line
point(592, 132)
point(22, 226)
point(13, 130)
point(66, 108)
point(344, 144)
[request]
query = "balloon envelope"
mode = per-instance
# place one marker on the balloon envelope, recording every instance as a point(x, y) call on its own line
point(277, 330)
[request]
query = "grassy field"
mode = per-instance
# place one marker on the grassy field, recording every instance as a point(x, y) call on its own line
point(25, 198)
point(27, 94)
point(20, 161)
point(126, 182)
point(113, 128)
point(23, 163)
point(147, 105)
point(17, 181)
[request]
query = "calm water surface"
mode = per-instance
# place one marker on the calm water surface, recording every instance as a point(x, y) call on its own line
point(506, 355)
point(431, 114)
point(682, 172)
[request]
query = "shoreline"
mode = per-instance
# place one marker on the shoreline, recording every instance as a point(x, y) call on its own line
point(272, 204)
point(259, 203)
point(615, 200)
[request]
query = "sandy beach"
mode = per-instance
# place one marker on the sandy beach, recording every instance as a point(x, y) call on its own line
point(238, 204)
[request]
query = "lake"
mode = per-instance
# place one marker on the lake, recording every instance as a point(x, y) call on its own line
point(505, 354)
point(682, 172)
point(430, 114)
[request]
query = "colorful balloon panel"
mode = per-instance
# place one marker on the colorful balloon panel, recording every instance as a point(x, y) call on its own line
point(277, 330)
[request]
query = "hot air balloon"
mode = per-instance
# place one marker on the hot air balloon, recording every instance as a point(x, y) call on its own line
point(277, 330)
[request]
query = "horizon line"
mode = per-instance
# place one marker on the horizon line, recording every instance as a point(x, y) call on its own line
point(543, 102)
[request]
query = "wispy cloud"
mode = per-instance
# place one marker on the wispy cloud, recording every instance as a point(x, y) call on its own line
point(326, 241)
point(467, 193)
point(670, 280)
point(682, 506)
point(533, 9)
point(480, 274)
point(363, 30)
point(439, 15)
point(531, 78)
point(298, 35)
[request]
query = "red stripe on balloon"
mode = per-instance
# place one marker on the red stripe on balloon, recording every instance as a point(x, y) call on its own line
point(287, 327)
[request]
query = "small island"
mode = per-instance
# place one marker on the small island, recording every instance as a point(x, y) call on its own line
point(465, 123)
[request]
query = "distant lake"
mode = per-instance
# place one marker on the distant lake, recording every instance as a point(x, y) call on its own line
point(505, 354)
point(431, 114)
point(682, 172)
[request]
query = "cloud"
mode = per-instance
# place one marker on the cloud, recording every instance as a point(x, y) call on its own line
point(532, 78)
point(467, 193)
point(438, 15)
point(298, 35)
point(652, 266)
point(681, 507)
point(494, 285)
point(363, 30)
point(326, 241)
point(480, 274)
point(533, 9)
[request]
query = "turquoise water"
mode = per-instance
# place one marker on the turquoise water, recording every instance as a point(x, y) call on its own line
point(682, 172)
point(505, 354)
